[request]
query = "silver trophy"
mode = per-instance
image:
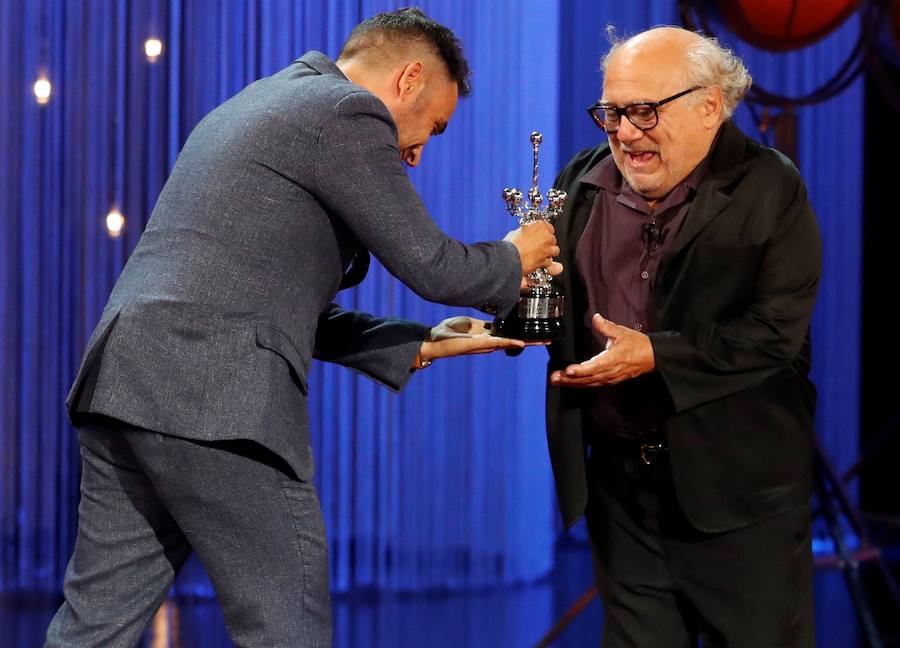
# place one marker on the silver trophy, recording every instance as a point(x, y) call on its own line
point(537, 316)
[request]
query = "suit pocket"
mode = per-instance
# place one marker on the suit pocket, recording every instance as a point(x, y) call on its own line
point(774, 422)
point(272, 338)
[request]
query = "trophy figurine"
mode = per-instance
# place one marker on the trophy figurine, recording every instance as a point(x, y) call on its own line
point(537, 316)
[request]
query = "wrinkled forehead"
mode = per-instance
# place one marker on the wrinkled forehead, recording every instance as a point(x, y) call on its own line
point(643, 74)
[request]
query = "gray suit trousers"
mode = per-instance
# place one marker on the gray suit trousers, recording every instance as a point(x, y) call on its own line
point(148, 500)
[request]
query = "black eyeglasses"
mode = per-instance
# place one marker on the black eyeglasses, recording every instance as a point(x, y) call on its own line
point(644, 116)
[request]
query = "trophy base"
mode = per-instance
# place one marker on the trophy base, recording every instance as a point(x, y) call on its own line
point(537, 318)
point(529, 330)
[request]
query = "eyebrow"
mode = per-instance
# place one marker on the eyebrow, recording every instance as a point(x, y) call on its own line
point(630, 103)
point(439, 128)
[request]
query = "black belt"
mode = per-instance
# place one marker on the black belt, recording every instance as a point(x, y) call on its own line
point(649, 451)
point(653, 451)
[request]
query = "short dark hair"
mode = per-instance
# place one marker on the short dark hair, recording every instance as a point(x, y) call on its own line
point(411, 24)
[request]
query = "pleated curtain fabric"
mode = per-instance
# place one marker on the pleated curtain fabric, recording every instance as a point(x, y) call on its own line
point(447, 484)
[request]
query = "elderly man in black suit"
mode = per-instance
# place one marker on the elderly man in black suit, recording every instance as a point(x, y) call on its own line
point(680, 415)
point(191, 400)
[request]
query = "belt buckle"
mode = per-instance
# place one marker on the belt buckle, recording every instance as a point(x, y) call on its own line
point(652, 448)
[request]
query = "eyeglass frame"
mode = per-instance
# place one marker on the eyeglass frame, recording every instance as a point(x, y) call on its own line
point(620, 112)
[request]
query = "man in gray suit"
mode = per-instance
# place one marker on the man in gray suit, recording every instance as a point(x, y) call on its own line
point(191, 399)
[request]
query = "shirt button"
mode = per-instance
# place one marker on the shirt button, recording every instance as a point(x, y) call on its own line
point(638, 327)
point(645, 275)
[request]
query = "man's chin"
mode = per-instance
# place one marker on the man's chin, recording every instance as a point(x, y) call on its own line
point(645, 185)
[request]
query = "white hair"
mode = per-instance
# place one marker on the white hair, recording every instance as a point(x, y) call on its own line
point(708, 64)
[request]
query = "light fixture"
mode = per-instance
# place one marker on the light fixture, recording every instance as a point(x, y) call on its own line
point(115, 222)
point(152, 48)
point(42, 90)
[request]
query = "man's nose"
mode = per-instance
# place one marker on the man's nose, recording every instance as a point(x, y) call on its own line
point(412, 156)
point(628, 132)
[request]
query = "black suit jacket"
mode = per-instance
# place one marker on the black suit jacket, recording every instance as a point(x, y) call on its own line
point(733, 302)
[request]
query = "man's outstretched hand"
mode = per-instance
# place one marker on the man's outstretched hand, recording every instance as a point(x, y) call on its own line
point(628, 354)
point(462, 336)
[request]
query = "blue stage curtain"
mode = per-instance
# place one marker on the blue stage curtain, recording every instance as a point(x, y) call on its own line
point(446, 484)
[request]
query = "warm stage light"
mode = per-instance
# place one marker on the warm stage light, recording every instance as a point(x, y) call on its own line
point(152, 48)
point(115, 222)
point(42, 90)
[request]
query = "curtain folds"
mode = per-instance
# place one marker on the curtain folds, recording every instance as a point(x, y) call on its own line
point(446, 484)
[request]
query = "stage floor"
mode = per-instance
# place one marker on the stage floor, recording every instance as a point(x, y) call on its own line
point(499, 618)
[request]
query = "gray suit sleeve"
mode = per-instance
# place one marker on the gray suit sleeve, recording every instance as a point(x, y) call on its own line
point(360, 179)
point(380, 348)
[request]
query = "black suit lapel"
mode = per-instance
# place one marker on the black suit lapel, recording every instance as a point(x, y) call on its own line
point(714, 194)
point(581, 211)
point(708, 204)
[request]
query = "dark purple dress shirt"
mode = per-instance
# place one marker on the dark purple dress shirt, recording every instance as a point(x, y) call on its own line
point(619, 256)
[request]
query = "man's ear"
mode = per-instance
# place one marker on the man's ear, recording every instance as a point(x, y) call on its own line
point(410, 81)
point(712, 106)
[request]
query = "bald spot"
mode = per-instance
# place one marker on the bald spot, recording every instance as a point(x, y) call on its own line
point(658, 53)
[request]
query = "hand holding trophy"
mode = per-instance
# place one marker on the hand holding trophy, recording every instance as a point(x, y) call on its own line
point(537, 316)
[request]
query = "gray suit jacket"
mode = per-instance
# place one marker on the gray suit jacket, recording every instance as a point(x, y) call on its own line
point(212, 325)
